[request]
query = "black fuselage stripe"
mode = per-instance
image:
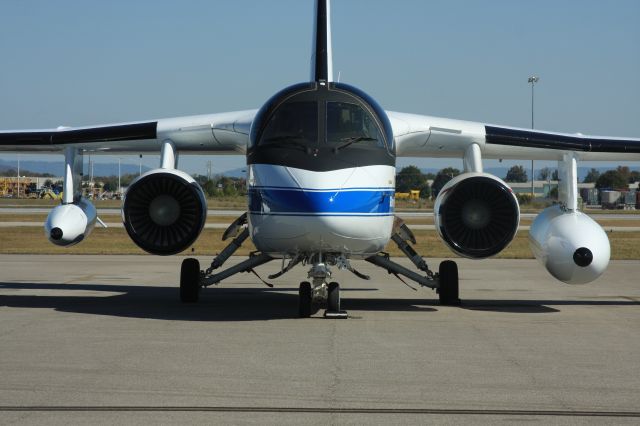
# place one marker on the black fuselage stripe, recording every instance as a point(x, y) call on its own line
point(322, 160)
point(532, 139)
point(123, 132)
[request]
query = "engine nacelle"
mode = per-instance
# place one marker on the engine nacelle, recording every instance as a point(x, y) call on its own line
point(68, 224)
point(571, 245)
point(164, 211)
point(477, 215)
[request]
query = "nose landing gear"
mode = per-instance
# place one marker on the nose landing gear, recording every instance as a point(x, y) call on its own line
point(333, 302)
point(306, 305)
point(317, 293)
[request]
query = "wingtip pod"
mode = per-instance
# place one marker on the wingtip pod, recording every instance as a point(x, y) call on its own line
point(321, 56)
point(68, 224)
point(571, 245)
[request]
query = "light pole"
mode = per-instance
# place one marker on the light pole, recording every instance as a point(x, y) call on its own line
point(118, 191)
point(18, 176)
point(91, 178)
point(533, 80)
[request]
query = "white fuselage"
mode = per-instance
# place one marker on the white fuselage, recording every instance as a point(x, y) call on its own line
point(346, 211)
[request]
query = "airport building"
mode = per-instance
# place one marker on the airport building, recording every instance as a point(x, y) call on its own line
point(542, 188)
point(21, 186)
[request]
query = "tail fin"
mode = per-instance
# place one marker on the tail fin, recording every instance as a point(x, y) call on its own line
point(321, 59)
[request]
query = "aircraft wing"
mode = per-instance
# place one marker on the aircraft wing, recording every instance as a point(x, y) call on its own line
point(222, 133)
point(425, 136)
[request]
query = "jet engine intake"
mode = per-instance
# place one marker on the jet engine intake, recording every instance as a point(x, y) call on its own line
point(477, 215)
point(572, 246)
point(68, 224)
point(164, 211)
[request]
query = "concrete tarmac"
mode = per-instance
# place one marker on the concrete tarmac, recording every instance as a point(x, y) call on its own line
point(104, 340)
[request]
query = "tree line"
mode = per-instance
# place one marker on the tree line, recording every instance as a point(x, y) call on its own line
point(217, 186)
point(411, 178)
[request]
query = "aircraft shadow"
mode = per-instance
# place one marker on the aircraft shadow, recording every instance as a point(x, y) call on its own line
point(216, 304)
point(536, 306)
point(244, 304)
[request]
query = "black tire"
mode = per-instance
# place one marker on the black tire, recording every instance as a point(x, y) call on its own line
point(333, 297)
point(305, 298)
point(190, 280)
point(449, 289)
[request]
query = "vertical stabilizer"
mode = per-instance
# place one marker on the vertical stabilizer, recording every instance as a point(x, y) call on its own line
point(321, 60)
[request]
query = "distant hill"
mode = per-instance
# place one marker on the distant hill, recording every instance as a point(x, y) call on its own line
point(236, 173)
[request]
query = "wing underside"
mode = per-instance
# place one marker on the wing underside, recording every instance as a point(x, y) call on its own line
point(223, 133)
point(424, 136)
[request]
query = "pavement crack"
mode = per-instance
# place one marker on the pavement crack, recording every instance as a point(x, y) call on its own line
point(335, 370)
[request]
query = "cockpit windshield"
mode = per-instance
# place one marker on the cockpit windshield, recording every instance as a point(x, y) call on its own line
point(348, 123)
point(333, 122)
point(296, 123)
point(293, 122)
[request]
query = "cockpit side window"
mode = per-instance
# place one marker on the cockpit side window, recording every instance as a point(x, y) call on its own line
point(295, 122)
point(347, 122)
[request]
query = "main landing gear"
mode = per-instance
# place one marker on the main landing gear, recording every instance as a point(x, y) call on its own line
point(445, 281)
point(319, 292)
point(448, 289)
point(190, 280)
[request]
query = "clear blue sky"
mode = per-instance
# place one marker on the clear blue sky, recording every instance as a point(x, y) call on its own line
point(91, 62)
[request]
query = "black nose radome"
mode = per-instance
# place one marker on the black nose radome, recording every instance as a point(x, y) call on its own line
point(583, 257)
point(56, 234)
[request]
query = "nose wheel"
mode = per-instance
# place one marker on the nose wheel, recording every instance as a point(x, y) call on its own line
point(310, 300)
point(305, 300)
point(333, 297)
point(333, 302)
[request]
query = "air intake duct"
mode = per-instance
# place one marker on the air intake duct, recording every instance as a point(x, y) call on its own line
point(164, 211)
point(477, 215)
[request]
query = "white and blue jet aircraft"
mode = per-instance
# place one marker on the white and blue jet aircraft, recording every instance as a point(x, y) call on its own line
point(321, 159)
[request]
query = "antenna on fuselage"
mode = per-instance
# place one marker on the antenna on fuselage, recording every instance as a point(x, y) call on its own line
point(321, 55)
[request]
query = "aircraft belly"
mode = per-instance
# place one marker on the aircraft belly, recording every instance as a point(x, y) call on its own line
point(293, 234)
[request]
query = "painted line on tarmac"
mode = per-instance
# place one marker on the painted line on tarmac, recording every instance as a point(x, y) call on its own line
point(321, 410)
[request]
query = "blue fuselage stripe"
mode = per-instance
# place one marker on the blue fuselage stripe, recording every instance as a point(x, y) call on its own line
point(322, 202)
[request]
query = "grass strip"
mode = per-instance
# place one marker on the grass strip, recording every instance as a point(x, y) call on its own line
point(31, 240)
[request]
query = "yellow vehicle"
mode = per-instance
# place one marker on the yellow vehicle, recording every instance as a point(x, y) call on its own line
point(414, 194)
point(48, 194)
